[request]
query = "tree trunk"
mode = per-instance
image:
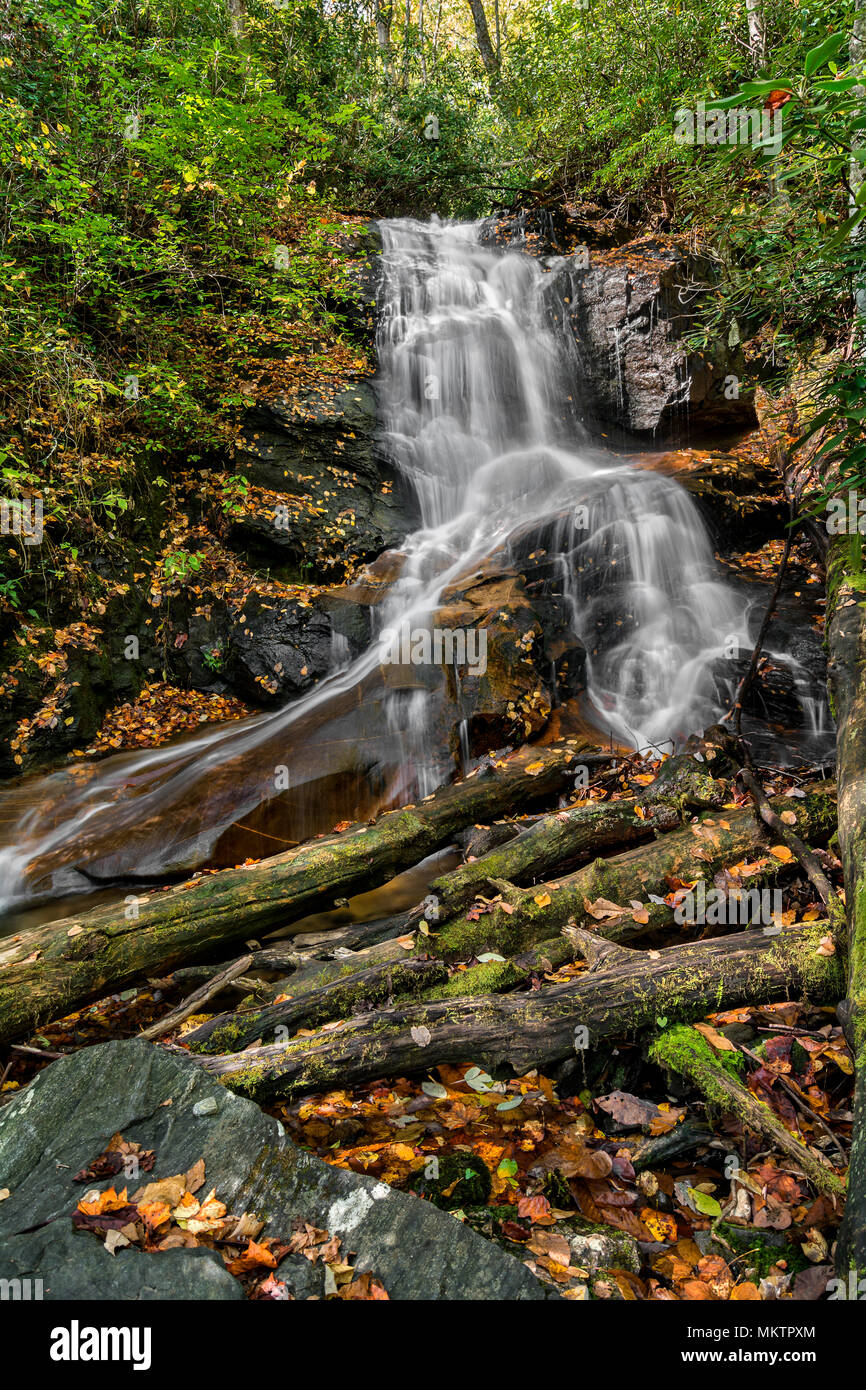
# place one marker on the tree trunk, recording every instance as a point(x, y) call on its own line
point(757, 34)
point(847, 675)
point(482, 33)
point(384, 17)
point(50, 970)
point(541, 1027)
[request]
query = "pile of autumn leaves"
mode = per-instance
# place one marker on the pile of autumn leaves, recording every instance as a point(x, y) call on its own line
point(170, 1214)
point(554, 1159)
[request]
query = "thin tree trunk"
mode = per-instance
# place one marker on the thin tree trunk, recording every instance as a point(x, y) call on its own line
point(384, 18)
point(482, 33)
point(847, 674)
point(757, 33)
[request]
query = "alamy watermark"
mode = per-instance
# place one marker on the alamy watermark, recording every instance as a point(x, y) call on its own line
point(22, 516)
point(437, 646)
point(711, 907)
point(738, 126)
point(846, 515)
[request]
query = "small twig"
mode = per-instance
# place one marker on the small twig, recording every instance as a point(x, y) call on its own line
point(199, 996)
point(22, 1050)
point(817, 877)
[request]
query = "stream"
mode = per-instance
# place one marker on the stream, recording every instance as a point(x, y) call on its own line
point(480, 411)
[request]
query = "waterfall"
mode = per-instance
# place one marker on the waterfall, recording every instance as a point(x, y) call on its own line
point(478, 414)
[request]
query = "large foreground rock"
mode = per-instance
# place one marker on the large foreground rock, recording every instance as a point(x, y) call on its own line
point(63, 1121)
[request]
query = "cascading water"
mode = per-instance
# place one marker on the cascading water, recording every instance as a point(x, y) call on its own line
point(478, 415)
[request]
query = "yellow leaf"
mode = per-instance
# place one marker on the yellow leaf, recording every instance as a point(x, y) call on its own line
point(781, 852)
point(660, 1226)
point(543, 899)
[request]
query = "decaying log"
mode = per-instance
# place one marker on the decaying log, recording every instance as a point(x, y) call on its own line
point(626, 991)
point(685, 1051)
point(304, 951)
point(230, 1032)
point(696, 852)
point(50, 970)
point(555, 841)
point(350, 986)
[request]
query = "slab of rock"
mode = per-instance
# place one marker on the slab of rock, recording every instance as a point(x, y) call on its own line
point(629, 310)
point(64, 1119)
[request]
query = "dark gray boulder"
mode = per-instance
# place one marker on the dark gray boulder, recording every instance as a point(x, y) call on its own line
point(76, 1264)
point(152, 1095)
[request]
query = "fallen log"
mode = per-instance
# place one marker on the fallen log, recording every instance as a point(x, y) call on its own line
point(847, 676)
point(562, 839)
point(230, 1032)
point(554, 841)
point(362, 984)
point(302, 952)
point(685, 1051)
point(541, 1027)
point(696, 852)
point(50, 970)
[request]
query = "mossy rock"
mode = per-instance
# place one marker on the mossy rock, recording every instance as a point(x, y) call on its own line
point(758, 1249)
point(457, 1180)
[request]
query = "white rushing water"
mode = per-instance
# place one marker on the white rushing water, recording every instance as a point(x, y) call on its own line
point(478, 415)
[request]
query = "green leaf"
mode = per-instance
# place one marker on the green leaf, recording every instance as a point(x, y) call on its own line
point(432, 1088)
point(478, 1079)
point(510, 1104)
point(704, 1203)
point(817, 57)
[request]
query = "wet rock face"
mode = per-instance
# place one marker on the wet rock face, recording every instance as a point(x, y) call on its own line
point(279, 650)
point(62, 1122)
point(532, 659)
point(625, 313)
point(332, 499)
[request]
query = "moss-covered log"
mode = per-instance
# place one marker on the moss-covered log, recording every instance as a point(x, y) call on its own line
point(542, 1027)
point(566, 837)
point(684, 1050)
point(230, 1032)
point(847, 674)
point(50, 970)
point(556, 841)
point(349, 986)
point(697, 852)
